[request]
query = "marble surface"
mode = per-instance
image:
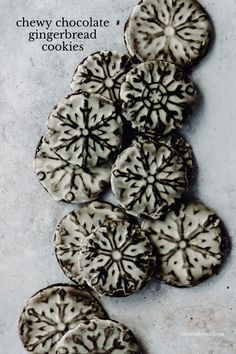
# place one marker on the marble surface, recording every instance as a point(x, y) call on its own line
point(166, 320)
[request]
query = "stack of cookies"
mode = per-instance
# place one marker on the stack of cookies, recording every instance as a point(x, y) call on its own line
point(100, 246)
point(156, 229)
point(63, 319)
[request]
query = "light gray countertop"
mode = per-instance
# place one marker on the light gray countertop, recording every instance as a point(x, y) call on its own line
point(200, 320)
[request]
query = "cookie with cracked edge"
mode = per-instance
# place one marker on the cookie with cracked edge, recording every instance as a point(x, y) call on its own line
point(178, 31)
point(85, 130)
point(189, 242)
point(148, 178)
point(102, 73)
point(99, 336)
point(74, 227)
point(117, 259)
point(67, 182)
point(52, 312)
point(157, 97)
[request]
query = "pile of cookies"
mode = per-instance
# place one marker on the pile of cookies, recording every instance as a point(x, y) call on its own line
point(155, 230)
point(100, 246)
point(74, 159)
point(63, 319)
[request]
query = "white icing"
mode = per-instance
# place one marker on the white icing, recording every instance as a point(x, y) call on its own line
point(98, 337)
point(74, 227)
point(116, 259)
point(68, 182)
point(178, 31)
point(147, 178)
point(102, 73)
point(188, 242)
point(177, 143)
point(85, 130)
point(52, 312)
point(157, 97)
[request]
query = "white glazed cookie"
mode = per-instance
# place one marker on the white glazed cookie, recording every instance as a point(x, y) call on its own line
point(72, 229)
point(117, 259)
point(157, 97)
point(178, 31)
point(182, 147)
point(99, 336)
point(102, 73)
point(148, 178)
point(85, 130)
point(52, 312)
point(189, 243)
point(177, 143)
point(68, 182)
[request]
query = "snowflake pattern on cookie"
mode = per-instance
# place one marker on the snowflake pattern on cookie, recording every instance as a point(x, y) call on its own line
point(148, 178)
point(182, 147)
point(102, 73)
point(99, 337)
point(52, 312)
point(177, 143)
point(117, 259)
point(68, 182)
point(157, 97)
point(189, 243)
point(178, 31)
point(74, 227)
point(85, 130)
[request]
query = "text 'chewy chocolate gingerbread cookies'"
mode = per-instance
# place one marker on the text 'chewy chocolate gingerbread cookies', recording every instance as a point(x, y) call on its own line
point(148, 178)
point(189, 242)
point(52, 312)
point(117, 259)
point(102, 73)
point(157, 97)
point(72, 230)
point(99, 336)
point(68, 182)
point(85, 130)
point(178, 31)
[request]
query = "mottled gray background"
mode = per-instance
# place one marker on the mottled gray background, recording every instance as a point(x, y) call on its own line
point(32, 82)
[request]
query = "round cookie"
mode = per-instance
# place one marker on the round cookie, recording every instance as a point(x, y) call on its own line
point(85, 130)
point(148, 178)
point(178, 31)
point(72, 229)
point(52, 312)
point(157, 97)
point(189, 242)
point(117, 259)
point(99, 336)
point(102, 73)
point(68, 182)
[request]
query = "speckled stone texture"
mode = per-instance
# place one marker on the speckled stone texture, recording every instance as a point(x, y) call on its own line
point(166, 320)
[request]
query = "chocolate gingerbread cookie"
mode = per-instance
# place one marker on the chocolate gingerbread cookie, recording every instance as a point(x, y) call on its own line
point(178, 31)
point(72, 230)
point(52, 312)
point(148, 178)
point(117, 259)
point(99, 336)
point(102, 73)
point(189, 242)
point(157, 97)
point(68, 182)
point(85, 130)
